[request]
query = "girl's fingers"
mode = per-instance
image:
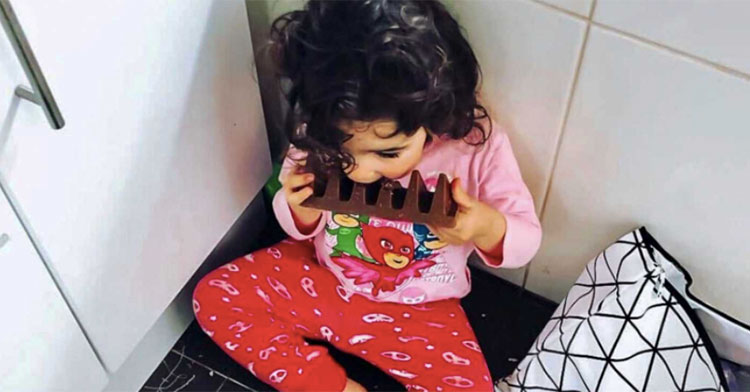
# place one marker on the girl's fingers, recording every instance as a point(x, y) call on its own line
point(300, 168)
point(448, 235)
point(296, 198)
point(439, 233)
point(295, 181)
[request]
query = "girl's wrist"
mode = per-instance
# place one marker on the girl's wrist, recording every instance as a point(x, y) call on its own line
point(305, 221)
point(492, 232)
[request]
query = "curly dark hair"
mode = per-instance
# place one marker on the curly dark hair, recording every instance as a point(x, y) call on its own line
point(403, 60)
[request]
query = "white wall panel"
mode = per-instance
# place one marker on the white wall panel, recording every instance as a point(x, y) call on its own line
point(528, 55)
point(658, 140)
point(717, 30)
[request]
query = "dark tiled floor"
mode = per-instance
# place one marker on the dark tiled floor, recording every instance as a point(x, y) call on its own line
point(505, 319)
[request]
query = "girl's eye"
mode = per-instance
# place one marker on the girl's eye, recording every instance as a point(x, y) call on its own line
point(387, 155)
point(386, 244)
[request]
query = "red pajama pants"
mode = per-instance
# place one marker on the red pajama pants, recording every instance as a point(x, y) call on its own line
point(258, 309)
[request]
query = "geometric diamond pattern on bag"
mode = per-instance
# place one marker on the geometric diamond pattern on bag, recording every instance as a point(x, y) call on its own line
point(620, 328)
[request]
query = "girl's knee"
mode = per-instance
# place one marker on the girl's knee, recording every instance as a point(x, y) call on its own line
point(199, 293)
point(215, 284)
point(291, 248)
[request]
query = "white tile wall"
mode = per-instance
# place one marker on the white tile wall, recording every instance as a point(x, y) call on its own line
point(717, 30)
point(580, 7)
point(652, 139)
point(528, 56)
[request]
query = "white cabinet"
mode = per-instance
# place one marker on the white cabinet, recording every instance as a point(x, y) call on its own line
point(164, 146)
point(42, 346)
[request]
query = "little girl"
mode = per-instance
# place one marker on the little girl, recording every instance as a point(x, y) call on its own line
point(377, 88)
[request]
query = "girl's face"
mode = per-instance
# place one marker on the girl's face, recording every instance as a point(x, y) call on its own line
point(377, 152)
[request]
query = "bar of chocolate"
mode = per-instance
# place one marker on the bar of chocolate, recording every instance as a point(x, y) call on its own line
point(386, 199)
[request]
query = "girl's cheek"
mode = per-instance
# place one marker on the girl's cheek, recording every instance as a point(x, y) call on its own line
point(397, 169)
point(407, 164)
point(364, 171)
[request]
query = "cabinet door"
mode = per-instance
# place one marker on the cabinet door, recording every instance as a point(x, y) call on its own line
point(164, 146)
point(42, 346)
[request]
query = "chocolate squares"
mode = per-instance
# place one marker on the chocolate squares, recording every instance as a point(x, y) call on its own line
point(386, 199)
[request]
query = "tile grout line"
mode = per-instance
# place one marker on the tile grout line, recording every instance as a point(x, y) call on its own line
point(646, 41)
point(222, 384)
point(213, 370)
point(587, 20)
point(676, 52)
point(563, 123)
point(590, 16)
point(562, 10)
point(568, 108)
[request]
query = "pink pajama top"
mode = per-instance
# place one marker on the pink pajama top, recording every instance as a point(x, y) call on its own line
point(398, 261)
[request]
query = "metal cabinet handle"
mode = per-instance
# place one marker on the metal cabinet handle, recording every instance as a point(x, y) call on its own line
point(4, 238)
point(40, 93)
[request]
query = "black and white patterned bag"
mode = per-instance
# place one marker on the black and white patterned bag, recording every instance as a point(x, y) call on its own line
point(626, 325)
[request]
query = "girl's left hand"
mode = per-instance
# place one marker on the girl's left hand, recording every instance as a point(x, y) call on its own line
point(475, 221)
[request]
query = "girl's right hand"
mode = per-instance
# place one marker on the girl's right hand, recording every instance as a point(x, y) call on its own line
point(297, 188)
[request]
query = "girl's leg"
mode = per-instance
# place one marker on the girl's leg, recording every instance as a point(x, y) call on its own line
point(259, 307)
point(427, 347)
point(281, 294)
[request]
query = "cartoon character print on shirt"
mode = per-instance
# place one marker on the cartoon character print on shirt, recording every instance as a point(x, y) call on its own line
point(348, 235)
point(393, 251)
point(427, 242)
point(365, 261)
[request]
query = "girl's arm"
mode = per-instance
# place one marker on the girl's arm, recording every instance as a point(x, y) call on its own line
point(501, 186)
point(284, 214)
